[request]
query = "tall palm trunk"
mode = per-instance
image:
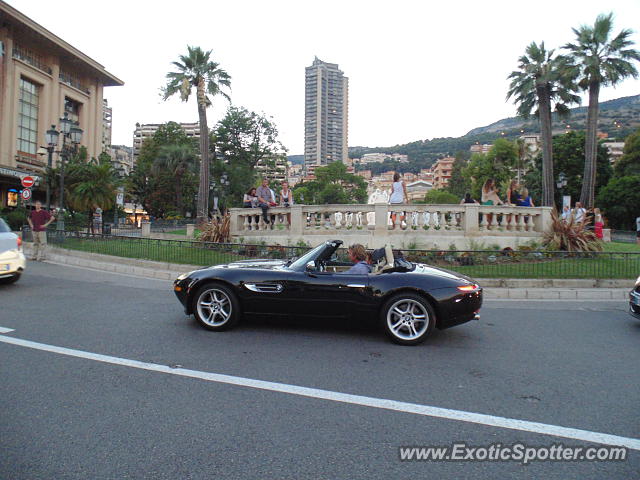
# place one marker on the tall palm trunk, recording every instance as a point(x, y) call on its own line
point(590, 148)
point(203, 187)
point(544, 105)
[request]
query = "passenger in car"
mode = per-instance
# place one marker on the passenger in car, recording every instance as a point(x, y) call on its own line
point(358, 255)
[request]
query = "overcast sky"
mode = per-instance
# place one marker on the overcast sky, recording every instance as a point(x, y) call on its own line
point(416, 69)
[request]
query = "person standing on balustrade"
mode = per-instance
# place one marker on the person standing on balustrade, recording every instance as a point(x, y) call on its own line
point(398, 197)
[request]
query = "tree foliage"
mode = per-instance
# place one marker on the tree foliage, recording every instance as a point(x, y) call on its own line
point(597, 58)
point(247, 137)
point(153, 182)
point(497, 164)
point(91, 184)
point(333, 185)
point(197, 70)
point(629, 163)
point(568, 158)
point(619, 200)
point(540, 82)
point(243, 139)
point(441, 197)
point(458, 185)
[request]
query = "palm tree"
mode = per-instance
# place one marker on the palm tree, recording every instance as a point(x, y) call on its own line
point(197, 70)
point(96, 185)
point(179, 160)
point(539, 82)
point(597, 59)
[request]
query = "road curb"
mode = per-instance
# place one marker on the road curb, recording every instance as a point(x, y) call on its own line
point(494, 288)
point(109, 263)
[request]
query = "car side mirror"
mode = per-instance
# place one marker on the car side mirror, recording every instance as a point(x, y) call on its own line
point(311, 267)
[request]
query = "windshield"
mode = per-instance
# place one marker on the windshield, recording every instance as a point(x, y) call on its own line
point(307, 257)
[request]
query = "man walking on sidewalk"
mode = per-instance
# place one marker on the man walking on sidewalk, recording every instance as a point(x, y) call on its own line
point(39, 220)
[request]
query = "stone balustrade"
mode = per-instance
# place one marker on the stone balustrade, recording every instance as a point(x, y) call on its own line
point(377, 224)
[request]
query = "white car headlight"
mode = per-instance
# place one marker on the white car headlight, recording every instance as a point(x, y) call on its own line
point(183, 276)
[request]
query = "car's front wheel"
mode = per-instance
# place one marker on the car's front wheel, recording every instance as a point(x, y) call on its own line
point(216, 307)
point(408, 318)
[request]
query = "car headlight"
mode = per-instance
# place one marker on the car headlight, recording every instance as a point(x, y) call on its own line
point(183, 276)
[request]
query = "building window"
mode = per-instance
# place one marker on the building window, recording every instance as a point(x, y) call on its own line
point(28, 117)
point(72, 108)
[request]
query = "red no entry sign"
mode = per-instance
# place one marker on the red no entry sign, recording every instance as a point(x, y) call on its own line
point(27, 182)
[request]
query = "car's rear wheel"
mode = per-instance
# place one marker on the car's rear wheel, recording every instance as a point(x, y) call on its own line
point(216, 307)
point(12, 279)
point(407, 318)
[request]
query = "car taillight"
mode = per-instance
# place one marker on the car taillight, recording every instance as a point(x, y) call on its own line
point(19, 242)
point(468, 288)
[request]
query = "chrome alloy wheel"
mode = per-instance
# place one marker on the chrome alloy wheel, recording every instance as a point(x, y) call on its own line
point(407, 319)
point(214, 307)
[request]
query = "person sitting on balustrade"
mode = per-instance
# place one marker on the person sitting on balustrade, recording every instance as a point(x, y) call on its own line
point(265, 199)
point(525, 199)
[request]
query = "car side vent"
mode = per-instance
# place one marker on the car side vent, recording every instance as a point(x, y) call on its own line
point(264, 287)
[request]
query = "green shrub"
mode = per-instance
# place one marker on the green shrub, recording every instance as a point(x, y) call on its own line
point(441, 197)
point(15, 217)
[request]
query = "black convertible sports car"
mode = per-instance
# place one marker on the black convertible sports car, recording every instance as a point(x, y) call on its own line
point(634, 300)
point(408, 299)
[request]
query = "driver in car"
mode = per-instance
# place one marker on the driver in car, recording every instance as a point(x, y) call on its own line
point(358, 255)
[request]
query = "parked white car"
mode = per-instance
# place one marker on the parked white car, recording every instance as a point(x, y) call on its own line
point(12, 261)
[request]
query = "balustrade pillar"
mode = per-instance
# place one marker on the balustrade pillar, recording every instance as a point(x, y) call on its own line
point(297, 220)
point(382, 213)
point(470, 219)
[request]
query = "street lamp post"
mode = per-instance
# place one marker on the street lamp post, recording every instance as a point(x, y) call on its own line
point(561, 183)
point(51, 136)
point(217, 189)
point(69, 130)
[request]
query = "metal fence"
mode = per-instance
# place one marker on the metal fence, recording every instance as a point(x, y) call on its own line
point(532, 264)
point(480, 264)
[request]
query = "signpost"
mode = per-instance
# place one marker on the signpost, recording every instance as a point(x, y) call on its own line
point(26, 194)
point(27, 182)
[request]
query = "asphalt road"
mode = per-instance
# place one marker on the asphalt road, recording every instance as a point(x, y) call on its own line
point(62, 417)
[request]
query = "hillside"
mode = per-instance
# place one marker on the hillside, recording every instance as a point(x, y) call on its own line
point(422, 153)
point(625, 110)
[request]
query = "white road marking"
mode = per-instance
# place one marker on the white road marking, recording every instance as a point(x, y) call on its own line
point(6, 330)
point(393, 405)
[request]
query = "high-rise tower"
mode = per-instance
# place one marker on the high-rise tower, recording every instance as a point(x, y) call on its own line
point(326, 115)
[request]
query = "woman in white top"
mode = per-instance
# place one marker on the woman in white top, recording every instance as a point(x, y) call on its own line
point(398, 196)
point(286, 198)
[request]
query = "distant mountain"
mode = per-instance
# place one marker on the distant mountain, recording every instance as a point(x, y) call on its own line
point(625, 111)
point(296, 159)
point(422, 153)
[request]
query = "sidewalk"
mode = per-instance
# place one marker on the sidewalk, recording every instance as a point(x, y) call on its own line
point(494, 288)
